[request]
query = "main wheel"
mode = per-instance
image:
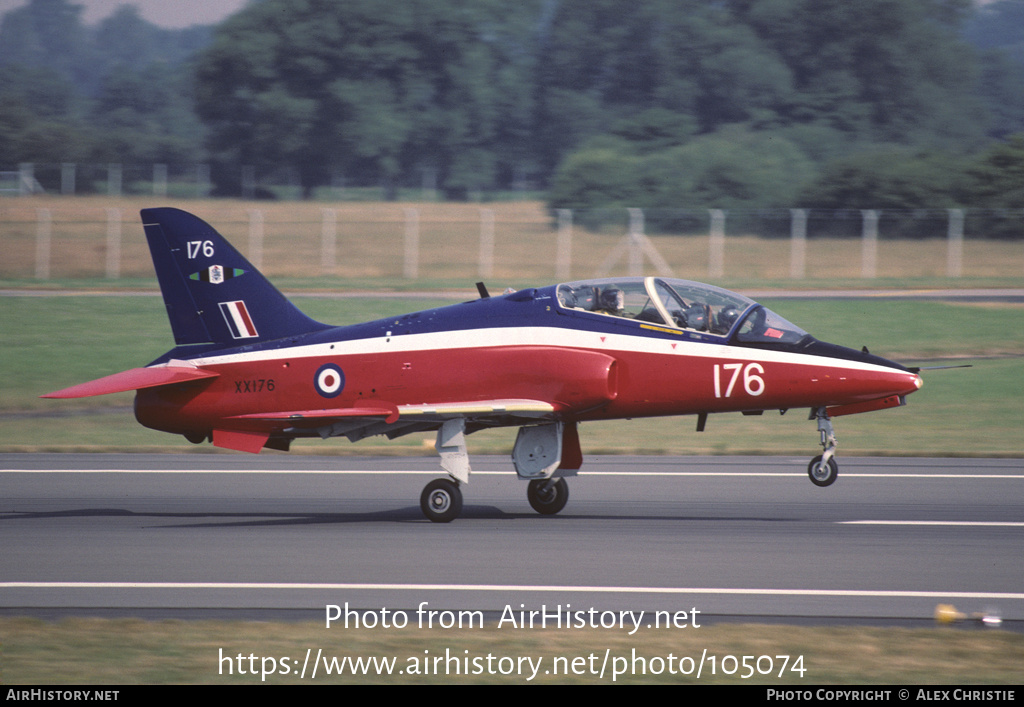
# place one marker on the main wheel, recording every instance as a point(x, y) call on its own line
point(822, 475)
point(441, 501)
point(547, 501)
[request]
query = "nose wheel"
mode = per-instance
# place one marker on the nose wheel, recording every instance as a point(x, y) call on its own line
point(822, 473)
point(823, 469)
point(441, 501)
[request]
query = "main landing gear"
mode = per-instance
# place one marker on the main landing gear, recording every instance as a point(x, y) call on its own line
point(538, 455)
point(823, 468)
point(548, 496)
point(441, 501)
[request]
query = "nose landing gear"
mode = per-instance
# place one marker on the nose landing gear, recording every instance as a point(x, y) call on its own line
point(823, 469)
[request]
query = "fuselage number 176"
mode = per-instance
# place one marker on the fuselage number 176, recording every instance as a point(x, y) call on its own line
point(753, 383)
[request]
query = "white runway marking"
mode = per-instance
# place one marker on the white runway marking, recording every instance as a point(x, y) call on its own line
point(435, 472)
point(980, 523)
point(232, 471)
point(234, 586)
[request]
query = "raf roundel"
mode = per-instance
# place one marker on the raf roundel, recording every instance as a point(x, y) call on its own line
point(329, 380)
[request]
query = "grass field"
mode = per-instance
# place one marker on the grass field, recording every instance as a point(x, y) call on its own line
point(129, 651)
point(55, 341)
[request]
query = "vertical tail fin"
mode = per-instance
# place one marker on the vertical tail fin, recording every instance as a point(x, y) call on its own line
point(212, 293)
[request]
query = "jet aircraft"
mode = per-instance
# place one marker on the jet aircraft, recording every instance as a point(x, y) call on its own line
point(250, 371)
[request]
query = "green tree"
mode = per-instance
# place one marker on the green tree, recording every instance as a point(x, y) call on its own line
point(995, 180)
point(145, 115)
point(593, 178)
point(41, 118)
point(48, 34)
point(733, 168)
point(996, 29)
point(125, 39)
point(886, 70)
point(369, 87)
point(894, 178)
point(1002, 89)
point(997, 176)
point(737, 168)
point(605, 61)
point(116, 92)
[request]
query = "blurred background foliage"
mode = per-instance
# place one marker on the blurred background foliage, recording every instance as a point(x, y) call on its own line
point(842, 104)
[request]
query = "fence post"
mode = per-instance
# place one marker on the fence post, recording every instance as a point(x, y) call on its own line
point(44, 230)
point(256, 238)
point(113, 244)
point(634, 246)
point(716, 244)
point(869, 254)
point(563, 257)
point(328, 239)
point(635, 265)
point(26, 178)
point(411, 267)
point(798, 254)
point(486, 243)
point(955, 252)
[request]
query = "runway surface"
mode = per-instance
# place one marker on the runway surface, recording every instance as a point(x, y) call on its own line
point(729, 537)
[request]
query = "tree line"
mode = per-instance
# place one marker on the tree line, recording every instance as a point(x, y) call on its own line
point(660, 103)
point(120, 91)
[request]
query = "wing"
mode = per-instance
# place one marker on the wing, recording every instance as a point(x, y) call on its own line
point(366, 421)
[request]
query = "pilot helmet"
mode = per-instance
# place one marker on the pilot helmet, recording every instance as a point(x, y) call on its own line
point(726, 318)
point(585, 297)
point(697, 316)
point(613, 299)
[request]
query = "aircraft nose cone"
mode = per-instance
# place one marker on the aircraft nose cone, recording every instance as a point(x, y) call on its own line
point(884, 377)
point(909, 379)
point(902, 381)
point(908, 383)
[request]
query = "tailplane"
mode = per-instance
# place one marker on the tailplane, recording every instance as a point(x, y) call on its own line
point(212, 293)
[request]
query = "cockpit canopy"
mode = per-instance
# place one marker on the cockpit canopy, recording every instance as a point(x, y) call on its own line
point(681, 304)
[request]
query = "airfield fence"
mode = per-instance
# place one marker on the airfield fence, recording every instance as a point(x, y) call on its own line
point(521, 243)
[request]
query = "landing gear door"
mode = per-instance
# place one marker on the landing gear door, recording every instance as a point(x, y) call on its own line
point(538, 451)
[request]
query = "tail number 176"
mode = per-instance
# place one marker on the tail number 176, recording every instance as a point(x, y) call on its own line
point(730, 373)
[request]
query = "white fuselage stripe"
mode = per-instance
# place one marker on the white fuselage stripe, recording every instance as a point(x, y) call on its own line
point(531, 336)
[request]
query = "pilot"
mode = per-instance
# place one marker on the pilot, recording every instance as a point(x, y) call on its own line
point(696, 316)
point(612, 301)
point(585, 297)
point(726, 319)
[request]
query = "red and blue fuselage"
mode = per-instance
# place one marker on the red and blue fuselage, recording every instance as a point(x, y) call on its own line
point(251, 370)
point(528, 345)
